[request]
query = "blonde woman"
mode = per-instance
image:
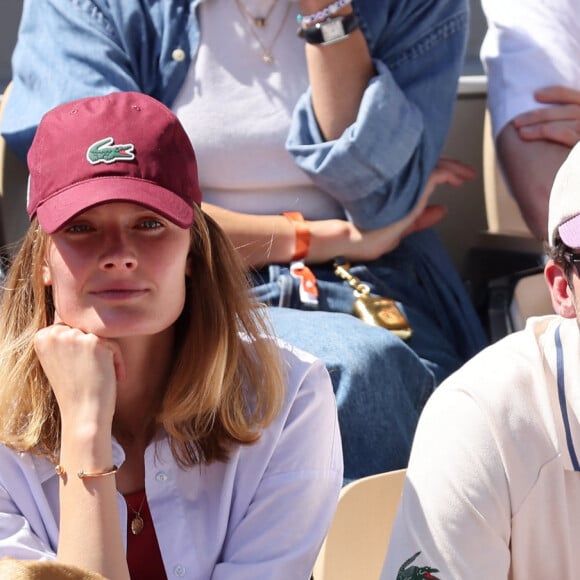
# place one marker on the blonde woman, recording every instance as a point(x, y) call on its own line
point(150, 425)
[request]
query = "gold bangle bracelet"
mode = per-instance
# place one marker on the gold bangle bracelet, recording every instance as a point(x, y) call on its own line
point(61, 472)
point(111, 471)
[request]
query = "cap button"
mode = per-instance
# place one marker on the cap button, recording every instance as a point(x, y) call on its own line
point(178, 55)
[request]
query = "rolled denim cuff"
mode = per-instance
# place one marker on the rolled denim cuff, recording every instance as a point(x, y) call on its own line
point(352, 167)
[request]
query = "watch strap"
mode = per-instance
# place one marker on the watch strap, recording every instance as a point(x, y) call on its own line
point(330, 30)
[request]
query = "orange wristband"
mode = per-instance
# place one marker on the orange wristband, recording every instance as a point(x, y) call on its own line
point(302, 231)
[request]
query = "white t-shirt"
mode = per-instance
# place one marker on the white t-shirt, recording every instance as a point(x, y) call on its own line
point(237, 110)
point(493, 484)
point(529, 44)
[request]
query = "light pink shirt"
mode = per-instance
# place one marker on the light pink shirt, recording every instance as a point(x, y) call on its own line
point(237, 111)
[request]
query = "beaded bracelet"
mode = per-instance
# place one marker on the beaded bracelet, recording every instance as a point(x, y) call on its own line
point(312, 19)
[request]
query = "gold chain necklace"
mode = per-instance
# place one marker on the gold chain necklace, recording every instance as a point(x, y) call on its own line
point(137, 523)
point(252, 24)
point(259, 21)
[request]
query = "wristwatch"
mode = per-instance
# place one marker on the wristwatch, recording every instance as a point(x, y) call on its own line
point(330, 30)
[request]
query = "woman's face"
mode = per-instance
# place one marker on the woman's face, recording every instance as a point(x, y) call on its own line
point(118, 270)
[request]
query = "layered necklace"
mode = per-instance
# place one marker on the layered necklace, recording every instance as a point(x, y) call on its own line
point(258, 22)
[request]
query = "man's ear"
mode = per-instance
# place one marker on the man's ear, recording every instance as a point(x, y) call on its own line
point(560, 291)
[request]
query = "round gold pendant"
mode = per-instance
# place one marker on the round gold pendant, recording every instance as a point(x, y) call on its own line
point(137, 525)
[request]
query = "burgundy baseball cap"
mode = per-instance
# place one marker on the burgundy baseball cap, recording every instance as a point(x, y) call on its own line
point(119, 147)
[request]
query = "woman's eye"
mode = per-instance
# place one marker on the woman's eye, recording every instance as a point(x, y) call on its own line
point(151, 224)
point(78, 228)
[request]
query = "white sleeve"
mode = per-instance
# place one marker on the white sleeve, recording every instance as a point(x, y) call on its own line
point(28, 529)
point(17, 540)
point(454, 516)
point(529, 44)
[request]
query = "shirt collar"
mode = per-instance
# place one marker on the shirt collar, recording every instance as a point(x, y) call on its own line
point(566, 392)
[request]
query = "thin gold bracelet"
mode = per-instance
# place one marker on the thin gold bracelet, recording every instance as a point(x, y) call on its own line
point(61, 472)
point(111, 471)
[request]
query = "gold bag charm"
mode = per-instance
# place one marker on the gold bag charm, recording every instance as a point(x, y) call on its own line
point(379, 311)
point(374, 310)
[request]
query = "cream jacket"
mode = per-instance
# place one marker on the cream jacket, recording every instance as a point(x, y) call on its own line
point(493, 485)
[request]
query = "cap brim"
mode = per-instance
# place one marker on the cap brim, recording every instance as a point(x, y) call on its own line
point(570, 232)
point(64, 205)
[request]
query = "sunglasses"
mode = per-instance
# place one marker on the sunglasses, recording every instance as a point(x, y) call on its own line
point(573, 259)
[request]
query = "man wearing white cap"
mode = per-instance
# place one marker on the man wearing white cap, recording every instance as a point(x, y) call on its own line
point(493, 485)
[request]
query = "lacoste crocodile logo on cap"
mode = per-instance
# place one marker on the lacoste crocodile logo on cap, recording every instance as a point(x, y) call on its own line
point(103, 151)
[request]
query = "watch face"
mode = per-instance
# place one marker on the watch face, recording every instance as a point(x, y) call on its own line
point(332, 30)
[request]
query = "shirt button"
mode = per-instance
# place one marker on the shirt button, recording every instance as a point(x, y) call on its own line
point(179, 570)
point(161, 476)
point(178, 55)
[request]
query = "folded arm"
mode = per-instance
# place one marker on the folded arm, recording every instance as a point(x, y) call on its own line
point(265, 239)
point(532, 148)
point(378, 166)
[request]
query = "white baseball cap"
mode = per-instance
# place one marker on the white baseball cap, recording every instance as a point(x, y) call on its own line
point(564, 208)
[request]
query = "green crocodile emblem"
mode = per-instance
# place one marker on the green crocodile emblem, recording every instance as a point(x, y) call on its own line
point(408, 572)
point(104, 151)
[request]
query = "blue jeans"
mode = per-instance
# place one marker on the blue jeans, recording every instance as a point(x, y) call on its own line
point(381, 382)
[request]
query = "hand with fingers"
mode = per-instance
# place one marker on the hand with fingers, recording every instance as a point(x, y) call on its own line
point(83, 370)
point(559, 123)
point(330, 238)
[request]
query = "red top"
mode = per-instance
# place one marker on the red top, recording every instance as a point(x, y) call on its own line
point(143, 554)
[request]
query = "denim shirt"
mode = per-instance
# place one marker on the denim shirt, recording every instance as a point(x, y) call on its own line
point(69, 49)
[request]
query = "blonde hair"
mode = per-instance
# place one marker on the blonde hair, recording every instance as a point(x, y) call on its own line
point(33, 570)
point(227, 381)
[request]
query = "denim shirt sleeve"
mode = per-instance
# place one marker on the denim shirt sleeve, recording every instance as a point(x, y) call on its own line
point(69, 49)
point(378, 167)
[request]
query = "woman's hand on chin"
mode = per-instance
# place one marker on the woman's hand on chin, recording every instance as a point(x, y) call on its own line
point(83, 370)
